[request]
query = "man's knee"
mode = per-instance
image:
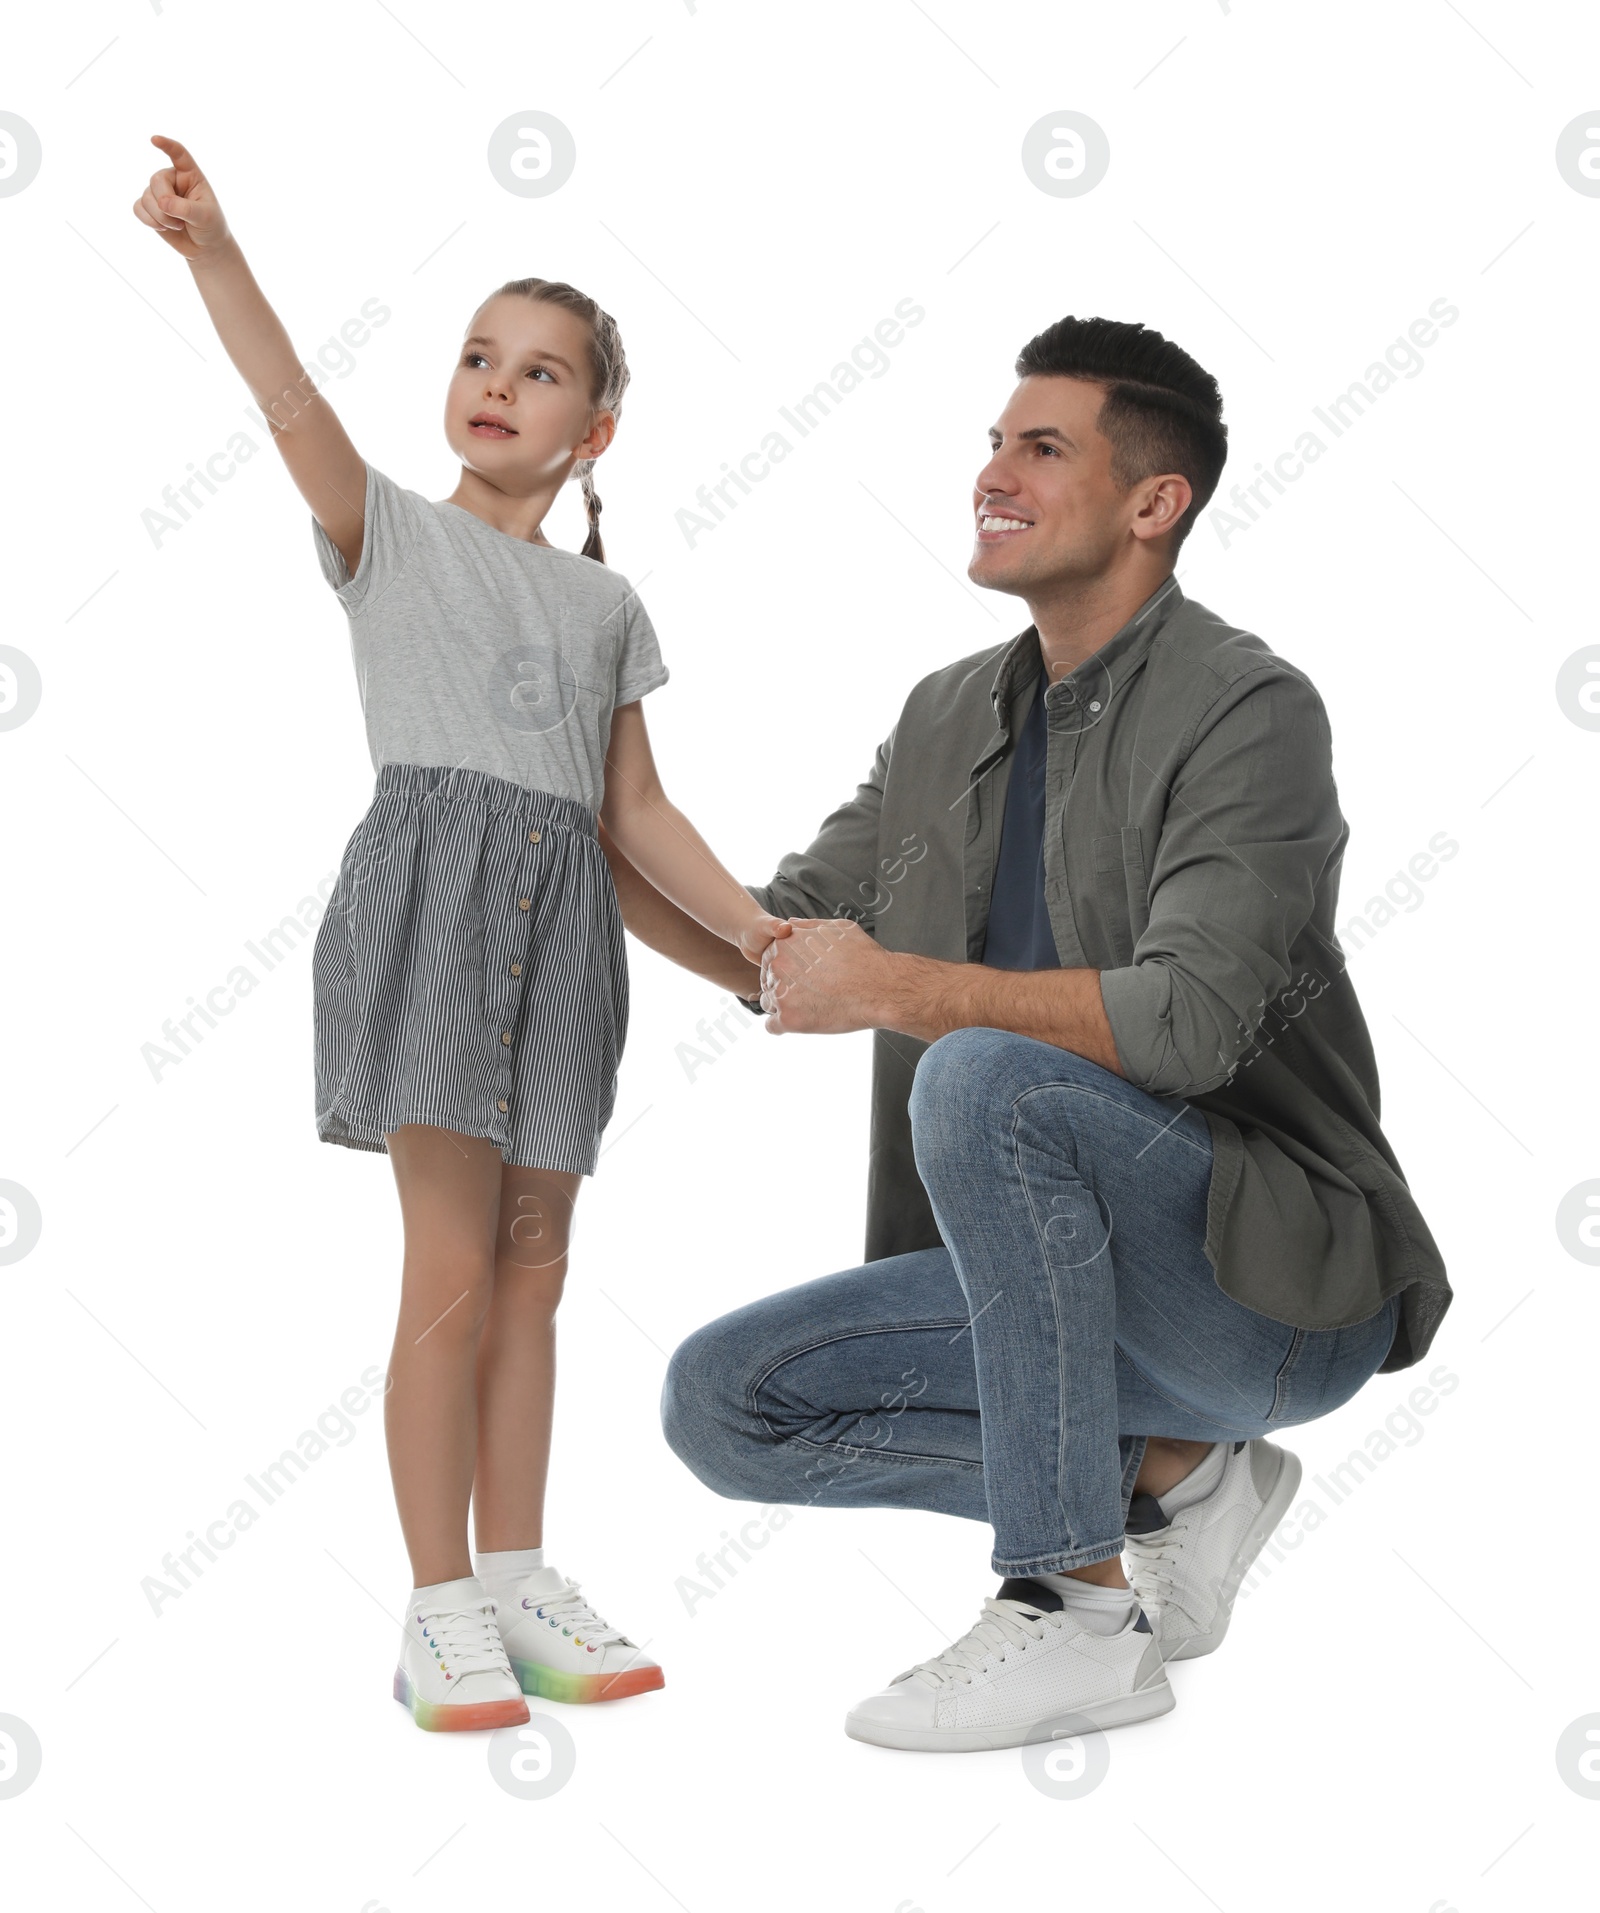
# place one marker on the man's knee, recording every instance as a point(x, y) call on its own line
point(702, 1416)
point(683, 1394)
point(963, 1080)
point(969, 1080)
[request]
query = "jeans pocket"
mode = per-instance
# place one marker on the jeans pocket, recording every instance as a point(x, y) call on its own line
point(1325, 1367)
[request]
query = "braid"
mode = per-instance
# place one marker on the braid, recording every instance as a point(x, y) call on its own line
point(592, 547)
point(608, 378)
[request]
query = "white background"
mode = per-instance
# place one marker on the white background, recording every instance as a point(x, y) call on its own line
point(756, 188)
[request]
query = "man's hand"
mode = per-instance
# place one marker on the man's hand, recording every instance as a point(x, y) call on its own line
point(829, 976)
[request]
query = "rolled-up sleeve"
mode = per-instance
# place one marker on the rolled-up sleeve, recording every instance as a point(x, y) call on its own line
point(1252, 823)
point(837, 874)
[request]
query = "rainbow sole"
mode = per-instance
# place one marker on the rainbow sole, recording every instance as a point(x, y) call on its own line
point(549, 1683)
point(450, 1717)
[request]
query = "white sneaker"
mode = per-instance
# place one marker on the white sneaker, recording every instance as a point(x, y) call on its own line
point(1187, 1566)
point(1011, 1679)
point(453, 1672)
point(560, 1649)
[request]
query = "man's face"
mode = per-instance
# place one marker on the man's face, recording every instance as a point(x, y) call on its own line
point(1045, 510)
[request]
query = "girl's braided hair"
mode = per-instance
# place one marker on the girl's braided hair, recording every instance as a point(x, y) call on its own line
point(608, 377)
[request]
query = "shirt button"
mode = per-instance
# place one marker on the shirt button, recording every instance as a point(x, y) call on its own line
point(1094, 704)
point(516, 969)
point(505, 1036)
point(533, 836)
point(524, 903)
point(504, 1104)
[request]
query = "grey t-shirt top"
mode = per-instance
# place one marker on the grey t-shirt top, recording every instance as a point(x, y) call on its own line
point(475, 649)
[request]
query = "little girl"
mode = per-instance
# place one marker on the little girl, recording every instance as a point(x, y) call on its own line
point(470, 977)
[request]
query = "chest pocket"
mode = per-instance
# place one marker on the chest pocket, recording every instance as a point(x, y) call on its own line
point(1120, 891)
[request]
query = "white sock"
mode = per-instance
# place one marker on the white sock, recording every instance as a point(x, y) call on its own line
point(1199, 1481)
point(1099, 1610)
point(508, 1564)
point(458, 1593)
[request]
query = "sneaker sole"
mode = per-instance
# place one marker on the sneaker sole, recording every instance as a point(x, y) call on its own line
point(1273, 1509)
point(452, 1717)
point(549, 1683)
point(1155, 1698)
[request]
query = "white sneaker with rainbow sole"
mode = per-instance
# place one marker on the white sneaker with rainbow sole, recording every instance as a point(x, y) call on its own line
point(453, 1673)
point(560, 1649)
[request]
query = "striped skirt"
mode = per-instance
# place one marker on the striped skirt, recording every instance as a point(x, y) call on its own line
point(471, 971)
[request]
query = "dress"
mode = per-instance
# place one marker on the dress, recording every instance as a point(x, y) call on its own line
point(471, 970)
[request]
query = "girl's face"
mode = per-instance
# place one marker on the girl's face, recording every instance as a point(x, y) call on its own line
point(518, 410)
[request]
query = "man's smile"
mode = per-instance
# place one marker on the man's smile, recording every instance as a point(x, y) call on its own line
point(994, 526)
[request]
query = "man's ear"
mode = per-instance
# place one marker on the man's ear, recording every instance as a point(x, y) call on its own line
point(1166, 503)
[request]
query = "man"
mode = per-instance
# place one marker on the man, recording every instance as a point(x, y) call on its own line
point(1129, 1205)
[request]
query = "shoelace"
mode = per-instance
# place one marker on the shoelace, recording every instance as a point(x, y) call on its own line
point(1153, 1569)
point(465, 1640)
point(1002, 1624)
point(1152, 1560)
point(572, 1613)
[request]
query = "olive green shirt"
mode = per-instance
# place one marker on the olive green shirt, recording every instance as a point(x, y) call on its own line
point(1192, 846)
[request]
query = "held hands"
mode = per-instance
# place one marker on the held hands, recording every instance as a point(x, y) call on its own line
point(759, 932)
point(180, 206)
point(825, 975)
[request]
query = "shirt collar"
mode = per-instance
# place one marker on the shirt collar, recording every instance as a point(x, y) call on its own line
point(1102, 671)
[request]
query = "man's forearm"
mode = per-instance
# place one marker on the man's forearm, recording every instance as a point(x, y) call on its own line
point(657, 921)
point(926, 999)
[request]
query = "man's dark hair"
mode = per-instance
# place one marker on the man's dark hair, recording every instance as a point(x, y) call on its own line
point(1162, 412)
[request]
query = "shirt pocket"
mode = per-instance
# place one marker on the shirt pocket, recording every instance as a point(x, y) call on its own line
point(1121, 902)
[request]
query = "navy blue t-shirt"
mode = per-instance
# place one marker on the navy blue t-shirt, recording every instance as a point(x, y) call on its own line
point(1019, 935)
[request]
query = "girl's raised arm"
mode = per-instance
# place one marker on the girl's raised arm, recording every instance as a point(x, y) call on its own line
point(331, 474)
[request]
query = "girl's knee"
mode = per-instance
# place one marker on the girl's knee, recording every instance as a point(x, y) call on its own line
point(532, 1290)
point(449, 1298)
point(535, 1223)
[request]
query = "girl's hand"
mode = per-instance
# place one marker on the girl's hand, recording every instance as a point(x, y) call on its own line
point(180, 206)
point(755, 938)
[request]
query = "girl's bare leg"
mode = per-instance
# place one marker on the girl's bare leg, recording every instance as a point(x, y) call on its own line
point(517, 1357)
point(449, 1199)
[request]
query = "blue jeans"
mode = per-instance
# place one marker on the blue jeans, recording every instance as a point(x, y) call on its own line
point(1014, 1374)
